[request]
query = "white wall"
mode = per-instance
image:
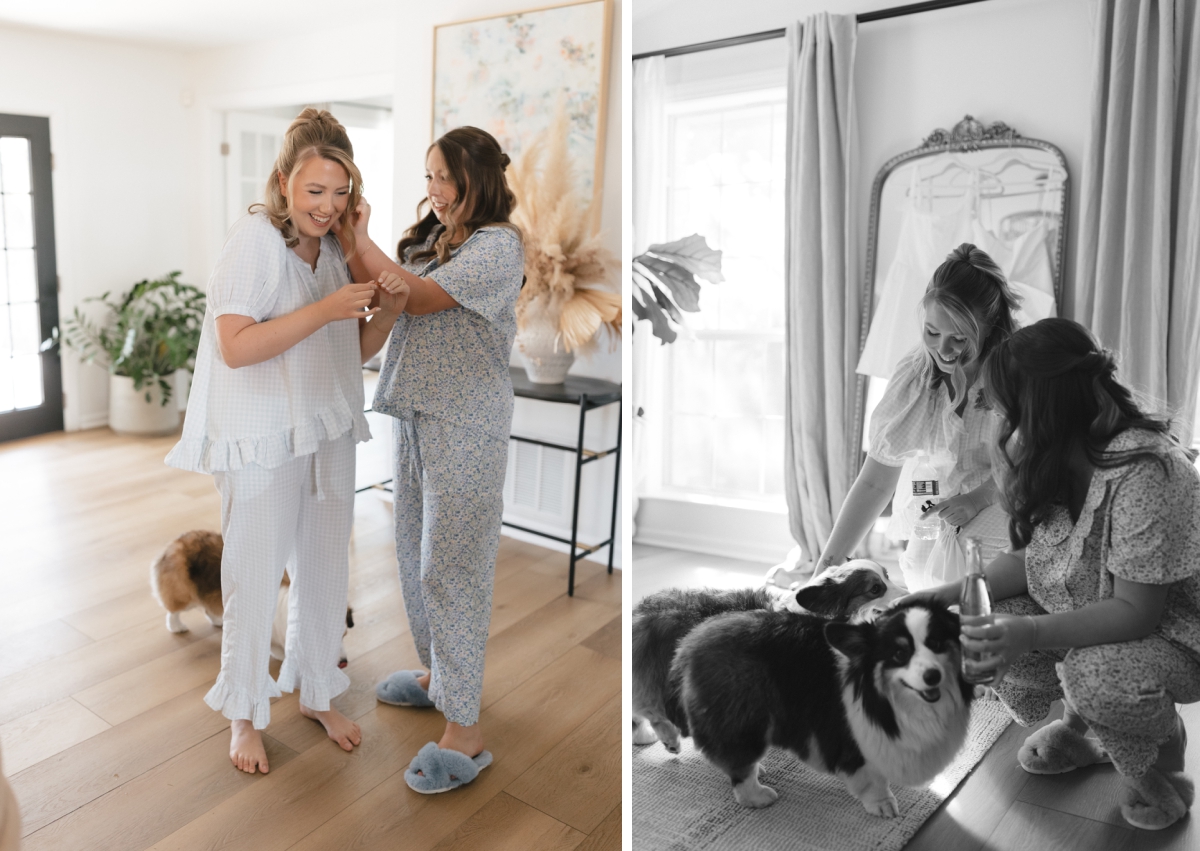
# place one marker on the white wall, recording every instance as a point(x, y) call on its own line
point(119, 134)
point(1024, 62)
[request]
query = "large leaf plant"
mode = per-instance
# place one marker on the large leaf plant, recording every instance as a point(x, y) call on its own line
point(147, 335)
point(665, 284)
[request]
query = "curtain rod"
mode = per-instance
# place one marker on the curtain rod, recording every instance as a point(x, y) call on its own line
point(864, 18)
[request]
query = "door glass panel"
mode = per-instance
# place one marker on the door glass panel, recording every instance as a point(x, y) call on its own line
point(21, 374)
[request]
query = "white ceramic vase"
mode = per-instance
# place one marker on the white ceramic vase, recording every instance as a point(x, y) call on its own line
point(545, 360)
point(130, 413)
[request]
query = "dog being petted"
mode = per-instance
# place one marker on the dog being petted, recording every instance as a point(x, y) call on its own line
point(874, 702)
point(661, 620)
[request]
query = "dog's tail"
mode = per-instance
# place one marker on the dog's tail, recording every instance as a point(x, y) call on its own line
point(674, 699)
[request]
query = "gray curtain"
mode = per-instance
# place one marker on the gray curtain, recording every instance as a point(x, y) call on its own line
point(1137, 272)
point(822, 287)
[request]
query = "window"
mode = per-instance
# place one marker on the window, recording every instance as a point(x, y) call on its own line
point(724, 383)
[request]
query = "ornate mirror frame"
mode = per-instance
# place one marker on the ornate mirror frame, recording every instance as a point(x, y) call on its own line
point(967, 136)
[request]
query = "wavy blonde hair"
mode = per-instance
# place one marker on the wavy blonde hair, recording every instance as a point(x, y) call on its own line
point(314, 133)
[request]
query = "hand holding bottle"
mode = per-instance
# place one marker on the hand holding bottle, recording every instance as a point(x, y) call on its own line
point(991, 644)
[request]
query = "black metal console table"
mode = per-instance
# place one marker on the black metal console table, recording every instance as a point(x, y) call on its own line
point(588, 394)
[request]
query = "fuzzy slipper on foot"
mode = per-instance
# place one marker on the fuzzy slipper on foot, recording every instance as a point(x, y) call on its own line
point(402, 689)
point(443, 769)
point(1157, 800)
point(1056, 749)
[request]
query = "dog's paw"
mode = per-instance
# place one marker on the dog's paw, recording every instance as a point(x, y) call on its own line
point(884, 807)
point(753, 794)
point(175, 623)
point(215, 620)
point(643, 733)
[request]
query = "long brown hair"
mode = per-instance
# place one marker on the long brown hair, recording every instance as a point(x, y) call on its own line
point(972, 290)
point(314, 133)
point(476, 166)
point(1056, 389)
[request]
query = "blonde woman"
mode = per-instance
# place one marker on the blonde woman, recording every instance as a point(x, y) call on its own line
point(275, 410)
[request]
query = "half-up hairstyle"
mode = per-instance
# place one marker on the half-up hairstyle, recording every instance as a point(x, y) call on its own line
point(314, 133)
point(975, 295)
point(476, 167)
point(1056, 388)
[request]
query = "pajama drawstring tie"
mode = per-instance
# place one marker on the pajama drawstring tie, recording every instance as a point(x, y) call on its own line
point(317, 476)
point(412, 449)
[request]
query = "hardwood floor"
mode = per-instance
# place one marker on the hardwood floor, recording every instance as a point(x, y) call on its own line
point(998, 807)
point(108, 744)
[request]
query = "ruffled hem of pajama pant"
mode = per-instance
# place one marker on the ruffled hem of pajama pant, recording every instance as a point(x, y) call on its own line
point(239, 705)
point(315, 692)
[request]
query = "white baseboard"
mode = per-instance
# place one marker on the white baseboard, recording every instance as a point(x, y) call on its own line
point(600, 556)
point(96, 419)
point(740, 533)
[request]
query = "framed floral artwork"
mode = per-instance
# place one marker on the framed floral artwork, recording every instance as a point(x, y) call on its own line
point(510, 74)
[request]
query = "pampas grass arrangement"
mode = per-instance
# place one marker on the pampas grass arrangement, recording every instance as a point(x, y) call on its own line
point(568, 272)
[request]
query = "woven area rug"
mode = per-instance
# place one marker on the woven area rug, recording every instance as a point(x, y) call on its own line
point(683, 802)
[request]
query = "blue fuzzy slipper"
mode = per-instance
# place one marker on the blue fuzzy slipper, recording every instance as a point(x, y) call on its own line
point(401, 689)
point(443, 769)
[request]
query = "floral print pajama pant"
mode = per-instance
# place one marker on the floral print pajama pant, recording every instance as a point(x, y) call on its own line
point(1126, 692)
point(449, 500)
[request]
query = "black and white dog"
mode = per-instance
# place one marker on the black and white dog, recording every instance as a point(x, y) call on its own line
point(873, 702)
point(660, 622)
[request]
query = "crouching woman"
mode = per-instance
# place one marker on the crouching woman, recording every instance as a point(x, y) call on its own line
point(1099, 602)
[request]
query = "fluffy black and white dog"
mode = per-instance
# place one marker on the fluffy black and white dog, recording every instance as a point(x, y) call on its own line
point(660, 622)
point(873, 702)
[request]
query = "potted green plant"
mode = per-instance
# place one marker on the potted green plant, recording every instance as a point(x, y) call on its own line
point(665, 284)
point(148, 334)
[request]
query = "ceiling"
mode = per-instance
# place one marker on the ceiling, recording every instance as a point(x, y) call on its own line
point(191, 23)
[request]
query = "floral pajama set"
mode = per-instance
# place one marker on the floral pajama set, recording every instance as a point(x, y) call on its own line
point(1142, 524)
point(445, 379)
point(278, 438)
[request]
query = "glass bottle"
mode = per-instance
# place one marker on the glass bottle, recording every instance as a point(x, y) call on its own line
point(976, 600)
point(926, 492)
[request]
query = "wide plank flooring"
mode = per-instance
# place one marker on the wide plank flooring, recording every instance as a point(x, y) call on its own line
point(108, 744)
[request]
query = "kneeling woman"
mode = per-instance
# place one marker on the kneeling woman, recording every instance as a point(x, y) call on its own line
point(1100, 600)
point(446, 381)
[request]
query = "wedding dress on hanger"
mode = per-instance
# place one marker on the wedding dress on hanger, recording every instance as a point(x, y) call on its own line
point(925, 239)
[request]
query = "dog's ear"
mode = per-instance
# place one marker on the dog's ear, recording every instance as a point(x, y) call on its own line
point(824, 598)
point(852, 640)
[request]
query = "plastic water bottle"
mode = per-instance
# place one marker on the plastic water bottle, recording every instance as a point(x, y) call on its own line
point(926, 491)
point(976, 600)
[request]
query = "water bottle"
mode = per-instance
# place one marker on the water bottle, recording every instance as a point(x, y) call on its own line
point(975, 600)
point(926, 491)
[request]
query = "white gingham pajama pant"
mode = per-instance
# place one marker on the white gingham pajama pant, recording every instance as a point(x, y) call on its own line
point(297, 515)
point(449, 500)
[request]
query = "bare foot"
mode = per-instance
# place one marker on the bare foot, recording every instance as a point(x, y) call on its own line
point(246, 749)
point(340, 728)
point(423, 680)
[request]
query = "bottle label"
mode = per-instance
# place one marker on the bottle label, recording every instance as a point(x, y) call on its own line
point(925, 488)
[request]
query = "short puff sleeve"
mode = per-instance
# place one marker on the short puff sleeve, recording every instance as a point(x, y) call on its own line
point(907, 417)
point(484, 276)
point(1153, 534)
point(246, 278)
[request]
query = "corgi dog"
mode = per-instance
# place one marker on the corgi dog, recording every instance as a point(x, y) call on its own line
point(661, 620)
point(874, 702)
point(188, 575)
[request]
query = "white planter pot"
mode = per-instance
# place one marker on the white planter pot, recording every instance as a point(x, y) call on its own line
point(545, 360)
point(130, 413)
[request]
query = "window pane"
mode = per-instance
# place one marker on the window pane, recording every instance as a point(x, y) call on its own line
point(739, 373)
point(14, 164)
point(249, 154)
point(739, 457)
point(773, 455)
point(22, 276)
point(6, 383)
point(689, 452)
point(5, 335)
point(26, 330)
point(773, 381)
point(691, 377)
point(18, 221)
point(267, 151)
point(27, 381)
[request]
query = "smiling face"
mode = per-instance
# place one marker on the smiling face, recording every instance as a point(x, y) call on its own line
point(944, 339)
point(440, 187)
point(319, 192)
